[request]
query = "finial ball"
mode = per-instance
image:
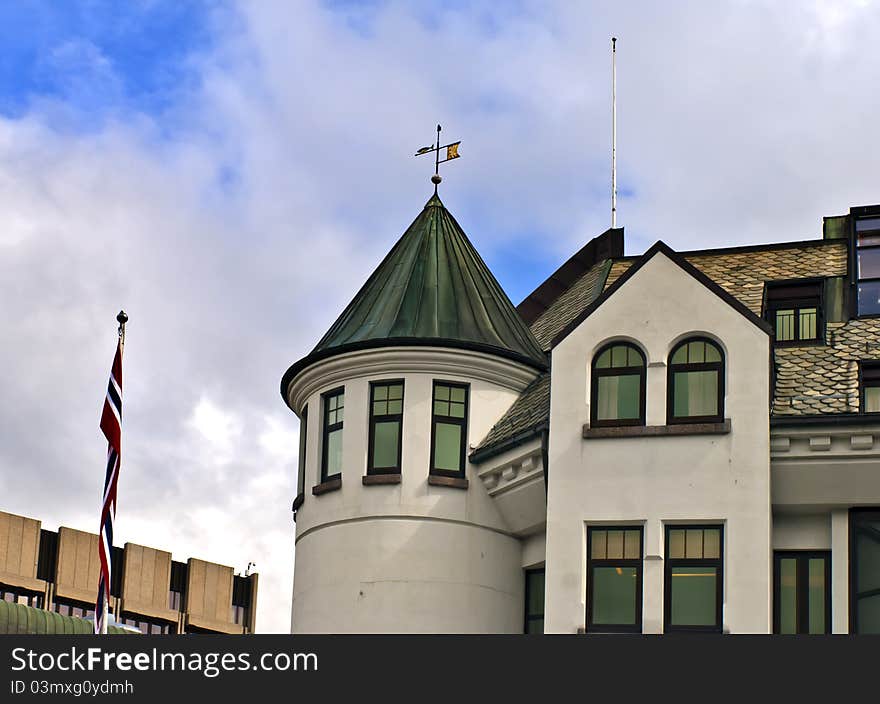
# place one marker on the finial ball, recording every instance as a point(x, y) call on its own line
point(436, 179)
point(122, 318)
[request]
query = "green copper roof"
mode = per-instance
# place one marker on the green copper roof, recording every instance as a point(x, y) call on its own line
point(432, 289)
point(21, 619)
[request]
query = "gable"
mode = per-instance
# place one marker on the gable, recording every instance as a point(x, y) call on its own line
point(686, 269)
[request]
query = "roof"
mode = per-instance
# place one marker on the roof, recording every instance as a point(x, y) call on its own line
point(810, 380)
point(527, 418)
point(608, 245)
point(662, 248)
point(432, 288)
point(20, 619)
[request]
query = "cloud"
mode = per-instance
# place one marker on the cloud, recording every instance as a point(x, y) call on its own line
point(236, 212)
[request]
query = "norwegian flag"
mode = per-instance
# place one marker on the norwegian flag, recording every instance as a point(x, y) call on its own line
point(111, 425)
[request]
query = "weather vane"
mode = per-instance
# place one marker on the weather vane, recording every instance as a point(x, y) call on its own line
point(451, 153)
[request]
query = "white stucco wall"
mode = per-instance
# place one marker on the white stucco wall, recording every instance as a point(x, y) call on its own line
point(652, 481)
point(406, 557)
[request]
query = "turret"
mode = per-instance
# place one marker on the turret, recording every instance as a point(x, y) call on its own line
point(393, 533)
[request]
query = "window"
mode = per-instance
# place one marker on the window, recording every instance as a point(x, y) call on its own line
point(149, 626)
point(614, 579)
point(16, 595)
point(618, 386)
point(177, 585)
point(534, 621)
point(331, 445)
point(869, 375)
point(386, 425)
point(448, 429)
point(802, 592)
point(795, 312)
point(867, 232)
point(693, 579)
point(864, 562)
point(303, 439)
point(77, 609)
point(695, 385)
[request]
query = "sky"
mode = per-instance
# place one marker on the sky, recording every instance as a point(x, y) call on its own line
point(230, 173)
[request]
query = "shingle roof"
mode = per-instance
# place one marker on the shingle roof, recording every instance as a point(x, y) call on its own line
point(742, 272)
point(818, 379)
point(524, 420)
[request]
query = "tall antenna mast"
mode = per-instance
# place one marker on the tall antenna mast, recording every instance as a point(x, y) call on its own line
point(613, 132)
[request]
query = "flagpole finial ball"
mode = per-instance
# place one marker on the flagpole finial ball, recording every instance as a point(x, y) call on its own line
point(122, 318)
point(436, 179)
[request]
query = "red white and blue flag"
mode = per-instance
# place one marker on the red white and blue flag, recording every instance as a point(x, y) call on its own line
point(111, 425)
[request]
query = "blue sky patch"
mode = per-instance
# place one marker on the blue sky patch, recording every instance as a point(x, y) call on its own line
point(100, 56)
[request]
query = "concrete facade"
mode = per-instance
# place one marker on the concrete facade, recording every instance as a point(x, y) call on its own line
point(59, 572)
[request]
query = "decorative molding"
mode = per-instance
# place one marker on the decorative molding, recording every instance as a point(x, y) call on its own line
point(513, 470)
point(820, 443)
point(824, 442)
point(780, 444)
point(861, 442)
point(437, 361)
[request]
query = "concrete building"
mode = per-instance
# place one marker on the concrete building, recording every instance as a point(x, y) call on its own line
point(58, 572)
point(676, 441)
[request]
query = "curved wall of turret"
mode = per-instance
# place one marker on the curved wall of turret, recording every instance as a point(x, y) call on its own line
point(407, 557)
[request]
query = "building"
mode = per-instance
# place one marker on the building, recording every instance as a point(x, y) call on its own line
point(58, 572)
point(677, 441)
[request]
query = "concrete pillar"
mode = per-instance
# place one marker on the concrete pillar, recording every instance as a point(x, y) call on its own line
point(652, 579)
point(840, 571)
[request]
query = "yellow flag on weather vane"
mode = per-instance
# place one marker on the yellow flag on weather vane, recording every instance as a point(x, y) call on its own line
point(451, 153)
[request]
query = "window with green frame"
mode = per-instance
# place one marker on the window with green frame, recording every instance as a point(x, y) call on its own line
point(386, 427)
point(331, 445)
point(794, 309)
point(694, 578)
point(534, 619)
point(303, 439)
point(449, 428)
point(802, 592)
point(614, 579)
point(695, 385)
point(869, 375)
point(864, 564)
point(618, 386)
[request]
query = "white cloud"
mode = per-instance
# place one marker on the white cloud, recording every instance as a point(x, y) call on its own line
point(235, 227)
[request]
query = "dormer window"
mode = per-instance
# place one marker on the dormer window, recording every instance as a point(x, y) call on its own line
point(868, 265)
point(869, 374)
point(795, 311)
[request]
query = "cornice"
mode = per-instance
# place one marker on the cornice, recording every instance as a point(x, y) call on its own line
point(439, 361)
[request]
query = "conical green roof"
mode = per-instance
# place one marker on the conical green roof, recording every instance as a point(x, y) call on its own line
point(433, 289)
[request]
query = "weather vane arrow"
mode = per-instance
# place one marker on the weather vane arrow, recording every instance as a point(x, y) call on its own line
point(451, 153)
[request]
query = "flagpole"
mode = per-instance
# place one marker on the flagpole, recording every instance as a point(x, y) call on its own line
point(111, 426)
point(613, 132)
point(122, 319)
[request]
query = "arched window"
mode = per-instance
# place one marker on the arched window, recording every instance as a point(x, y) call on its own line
point(618, 386)
point(695, 387)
